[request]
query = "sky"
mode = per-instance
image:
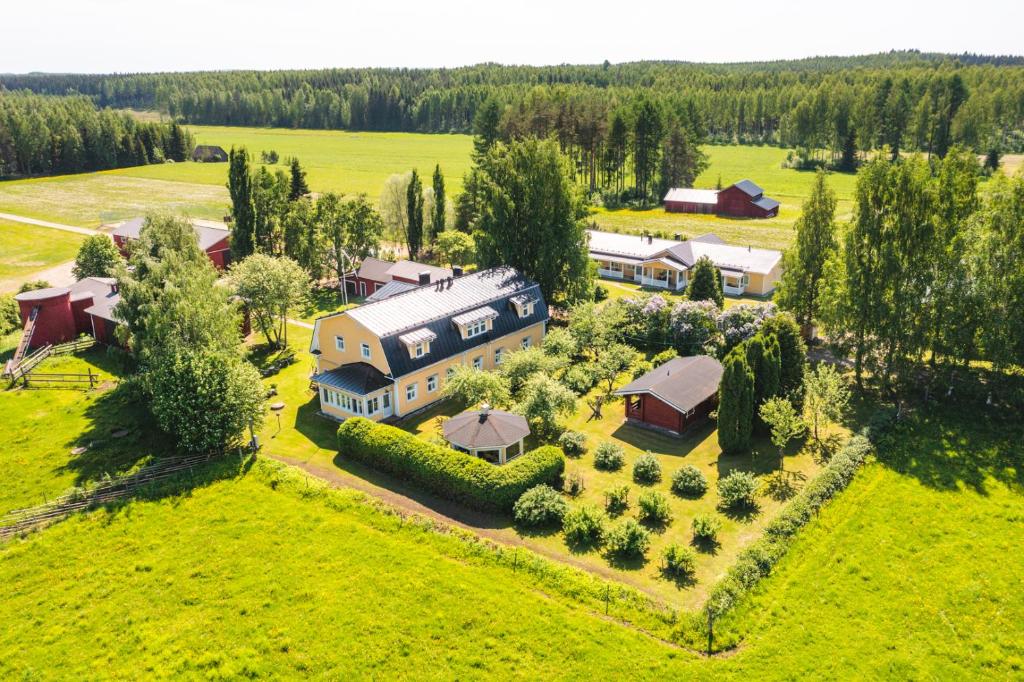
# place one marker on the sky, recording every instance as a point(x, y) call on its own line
point(102, 36)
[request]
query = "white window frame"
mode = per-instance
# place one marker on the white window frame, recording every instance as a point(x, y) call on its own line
point(526, 342)
point(364, 350)
point(420, 350)
point(476, 328)
point(411, 392)
point(449, 373)
point(431, 383)
point(478, 362)
point(339, 343)
point(498, 352)
point(372, 405)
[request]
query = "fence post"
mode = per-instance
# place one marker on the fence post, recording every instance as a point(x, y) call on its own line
point(711, 630)
point(607, 597)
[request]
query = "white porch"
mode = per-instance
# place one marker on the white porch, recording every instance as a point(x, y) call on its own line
point(734, 283)
point(341, 403)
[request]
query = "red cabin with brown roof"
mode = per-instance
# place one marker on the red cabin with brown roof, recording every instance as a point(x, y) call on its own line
point(674, 396)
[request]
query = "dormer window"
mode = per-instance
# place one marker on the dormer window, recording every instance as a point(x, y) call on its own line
point(523, 304)
point(418, 341)
point(475, 322)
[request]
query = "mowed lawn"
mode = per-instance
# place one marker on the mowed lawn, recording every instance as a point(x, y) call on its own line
point(25, 249)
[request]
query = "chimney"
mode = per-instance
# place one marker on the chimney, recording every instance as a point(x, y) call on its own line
point(650, 239)
point(748, 248)
point(450, 282)
point(424, 277)
point(678, 236)
point(457, 271)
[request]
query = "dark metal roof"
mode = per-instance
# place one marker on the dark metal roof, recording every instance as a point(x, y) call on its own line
point(683, 383)
point(485, 429)
point(749, 188)
point(407, 269)
point(358, 378)
point(765, 203)
point(390, 289)
point(493, 288)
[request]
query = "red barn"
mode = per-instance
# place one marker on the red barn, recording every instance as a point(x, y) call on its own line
point(741, 200)
point(213, 238)
point(374, 273)
point(674, 396)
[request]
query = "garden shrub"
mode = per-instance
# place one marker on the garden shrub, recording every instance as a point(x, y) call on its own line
point(652, 508)
point(616, 500)
point(540, 506)
point(738, 489)
point(689, 482)
point(679, 561)
point(451, 474)
point(10, 315)
point(600, 293)
point(706, 527)
point(628, 540)
point(609, 456)
point(641, 368)
point(574, 483)
point(573, 443)
point(584, 525)
point(646, 469)
point(664, 356)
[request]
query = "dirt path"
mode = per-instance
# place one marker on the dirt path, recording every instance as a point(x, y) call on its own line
point(47, 223)
point(300, 323)
point(478, 523)
point(57, 276)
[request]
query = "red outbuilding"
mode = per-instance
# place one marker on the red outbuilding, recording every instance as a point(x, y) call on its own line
point(741, 200)
point(213, 238)
point(674, 396)
point(373, 274)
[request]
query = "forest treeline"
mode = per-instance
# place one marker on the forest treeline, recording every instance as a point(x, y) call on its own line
point(908, 100)
point(55, 135)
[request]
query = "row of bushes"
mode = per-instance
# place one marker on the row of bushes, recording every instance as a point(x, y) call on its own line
point(758, 560)
point(448, 473)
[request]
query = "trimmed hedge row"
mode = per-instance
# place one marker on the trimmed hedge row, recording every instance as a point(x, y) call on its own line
point(448, 473)
point(758, 560)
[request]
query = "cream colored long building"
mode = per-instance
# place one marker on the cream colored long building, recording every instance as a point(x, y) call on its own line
point(393, 357)
point(666, 263)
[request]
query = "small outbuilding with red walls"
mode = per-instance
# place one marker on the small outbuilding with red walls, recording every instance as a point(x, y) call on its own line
point(674, 396)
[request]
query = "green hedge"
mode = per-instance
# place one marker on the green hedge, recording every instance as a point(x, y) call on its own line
point(448, 473)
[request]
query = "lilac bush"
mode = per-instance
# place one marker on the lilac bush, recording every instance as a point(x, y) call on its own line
point(742, 321)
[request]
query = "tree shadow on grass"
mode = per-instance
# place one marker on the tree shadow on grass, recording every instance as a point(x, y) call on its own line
point(741, 513)
point(625, 563)
point(663, 444)
point(781, 485)
point(706, 545)
point(320, 430)
point(682, 582)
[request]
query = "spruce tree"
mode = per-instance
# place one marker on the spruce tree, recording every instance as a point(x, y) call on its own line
point(299, 188)
point(485, 127)
point(414, 206)
point(437, 223)
point(792, 355)
point(243, 212)
point(705, 282)
point(736, 403)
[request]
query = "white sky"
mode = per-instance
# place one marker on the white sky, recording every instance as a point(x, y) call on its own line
point(183, 35)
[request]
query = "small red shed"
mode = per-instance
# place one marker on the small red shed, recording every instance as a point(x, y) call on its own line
point(741, 200)
point(674, 396)
point(213, 238)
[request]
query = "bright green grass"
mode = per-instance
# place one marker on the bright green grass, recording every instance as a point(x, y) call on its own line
point(24, 249)
point(915, 569)
point(40, 427)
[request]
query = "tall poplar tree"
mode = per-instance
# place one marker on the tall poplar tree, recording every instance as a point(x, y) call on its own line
point(736, 403)
point(437, 222)
point(804, 262)
point(414, 207)
point(243, 211)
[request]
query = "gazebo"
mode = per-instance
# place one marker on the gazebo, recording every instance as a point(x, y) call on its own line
point(492, 435)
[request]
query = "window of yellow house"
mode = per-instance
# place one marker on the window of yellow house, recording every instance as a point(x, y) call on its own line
point(339, 343)
point(432, 383)
point(478, 362)
point(364, 350)
point(410, 392)
point(526, 342)
point(497, 355)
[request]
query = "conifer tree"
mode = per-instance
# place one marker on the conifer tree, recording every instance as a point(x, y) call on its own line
point(243, 212)
point(705, 282)
point(299, 188)
point(736, 403)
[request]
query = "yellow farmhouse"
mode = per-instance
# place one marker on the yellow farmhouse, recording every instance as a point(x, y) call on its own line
point(666, 263)
point(392, 357)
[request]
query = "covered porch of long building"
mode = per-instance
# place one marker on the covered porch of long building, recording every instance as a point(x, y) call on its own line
point(659, 273)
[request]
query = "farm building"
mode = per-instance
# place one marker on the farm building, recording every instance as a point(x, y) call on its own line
point(213, 238)
point(675, 396)
point(741, 200)
point(493, 435)
point(666, 263)
point(209, 153)
point(373, 274)
point(392, 357)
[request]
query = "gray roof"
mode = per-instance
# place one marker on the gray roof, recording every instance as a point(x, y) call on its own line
point(765, 203)
point(390, 289)
point(490, 429)
point(683, 383)
point(692, 196)
point(749, 188)
point(374, 269)
point(205, 234)
point(359, 378)
point(709, 238)
point(443, 300)
point(408, 269)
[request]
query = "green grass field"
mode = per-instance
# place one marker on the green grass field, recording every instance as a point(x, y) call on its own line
point(910, 574)
point(24, 249)
point(361, 162)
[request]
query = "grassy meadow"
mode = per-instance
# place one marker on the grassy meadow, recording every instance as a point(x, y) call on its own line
point(25, 249)
point(908, 574)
